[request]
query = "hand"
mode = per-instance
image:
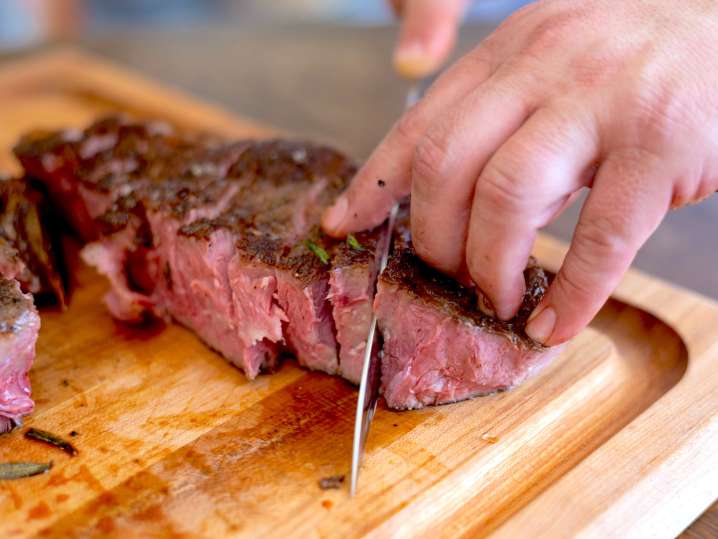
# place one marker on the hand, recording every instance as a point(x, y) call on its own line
point(617, 96)
point(428, 34)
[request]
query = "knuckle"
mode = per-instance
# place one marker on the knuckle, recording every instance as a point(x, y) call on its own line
point(659, 112)
point(524, 79)
point(500, 187)
point(520, 15)
point(595, 68)
point(481, 58)
point(601, 240)
point(570, 284)
point(428, 167)
point(552, 32)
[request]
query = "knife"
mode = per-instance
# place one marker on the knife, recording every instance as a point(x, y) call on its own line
point(369, 384)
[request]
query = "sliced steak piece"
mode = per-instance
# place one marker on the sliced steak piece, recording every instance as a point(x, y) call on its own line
point(139, 231)
point(352, 283)
point(269, 240)
point(438, 348)
point(26, 249)
point(231, 261)
point(19, 328)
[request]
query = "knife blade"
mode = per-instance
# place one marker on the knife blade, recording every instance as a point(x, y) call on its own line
point(369, 382)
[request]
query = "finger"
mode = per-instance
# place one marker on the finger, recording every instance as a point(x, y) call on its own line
point(519, 191)
point(386, 176)
point(447, 161)
point(427, 36)
point(630, 197)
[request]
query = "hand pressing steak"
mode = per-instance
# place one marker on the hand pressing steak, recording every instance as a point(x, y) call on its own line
point(19, 327)
point(224, 238)
point(438, 348)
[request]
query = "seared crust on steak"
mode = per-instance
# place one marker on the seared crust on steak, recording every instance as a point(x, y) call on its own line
point(432, 287)
point(87, 170)
point(13, 305)
point(115, 150)
point(284, 187)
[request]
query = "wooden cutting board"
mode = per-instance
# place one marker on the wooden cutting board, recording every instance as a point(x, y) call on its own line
point(619, 436)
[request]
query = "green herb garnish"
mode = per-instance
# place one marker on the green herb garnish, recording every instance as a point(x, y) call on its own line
point(354, 243)
point(51, 439)
point(318, 251)
point(18, 470)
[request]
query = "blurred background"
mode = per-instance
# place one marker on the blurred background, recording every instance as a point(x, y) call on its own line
point(318, 68)
point(23, 22)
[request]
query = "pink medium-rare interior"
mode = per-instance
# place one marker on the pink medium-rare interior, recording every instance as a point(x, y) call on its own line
point(17, 353)
point(430, 358)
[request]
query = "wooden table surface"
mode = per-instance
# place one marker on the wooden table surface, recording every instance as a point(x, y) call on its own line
point(335, 84)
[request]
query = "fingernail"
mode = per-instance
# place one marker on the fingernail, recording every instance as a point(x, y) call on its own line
point(484, 304)
point(413, 60)
point(334, 216)
point(541, 324)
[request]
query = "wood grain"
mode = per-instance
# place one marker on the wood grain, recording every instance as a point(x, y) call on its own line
point(173, 441)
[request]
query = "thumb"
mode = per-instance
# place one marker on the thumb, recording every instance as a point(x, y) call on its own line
point(428, 33)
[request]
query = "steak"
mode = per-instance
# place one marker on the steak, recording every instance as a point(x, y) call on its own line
point(26, 248)
point(217, 237)
point(19, 328)
point(27, 265)
point(438, 347)
point(267, 282)
point(224, 238)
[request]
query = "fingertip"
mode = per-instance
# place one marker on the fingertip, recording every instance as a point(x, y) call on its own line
point(507, 310)
point(541, 324)
point(334, 217)
point(428, 34)
point(502, 303)
point(413, 61)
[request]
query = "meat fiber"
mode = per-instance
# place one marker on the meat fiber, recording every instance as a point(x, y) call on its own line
point(19, 328)
point(224, 238)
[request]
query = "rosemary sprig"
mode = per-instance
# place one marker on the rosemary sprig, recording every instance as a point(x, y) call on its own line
point(51, 439)
point(19, 470)
point(318, 251)
point(354, 243)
